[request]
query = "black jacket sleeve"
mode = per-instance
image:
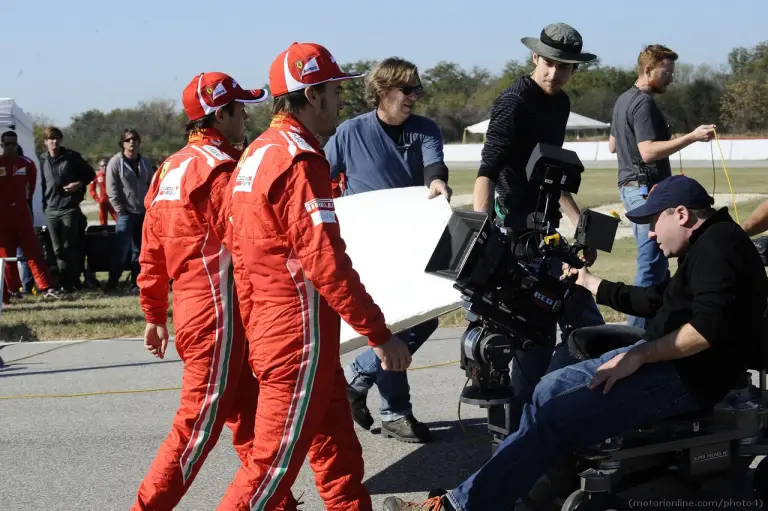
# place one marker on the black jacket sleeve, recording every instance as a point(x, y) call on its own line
point(435, 171)
point(714, 283)
point(87, 174)
point(637, 301)
point(43, 186)
point(500, 136)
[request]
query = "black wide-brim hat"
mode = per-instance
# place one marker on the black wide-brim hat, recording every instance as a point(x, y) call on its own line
point(559, 42)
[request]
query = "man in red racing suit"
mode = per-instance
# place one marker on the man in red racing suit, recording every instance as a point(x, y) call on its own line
point(98, 190)
point(183, 237)
point(18, 177)
point(291, 263)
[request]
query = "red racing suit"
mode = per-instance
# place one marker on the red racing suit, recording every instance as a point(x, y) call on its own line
point(100, 196)
point(182, 240)
point(18, 178)
point(295, 280)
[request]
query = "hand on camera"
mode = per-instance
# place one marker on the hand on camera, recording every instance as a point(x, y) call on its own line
point(589, 256)
point(583, 278)
point(394, 354)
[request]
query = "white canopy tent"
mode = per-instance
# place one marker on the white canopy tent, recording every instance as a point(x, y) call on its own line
point(12, 117)
point(576, 122)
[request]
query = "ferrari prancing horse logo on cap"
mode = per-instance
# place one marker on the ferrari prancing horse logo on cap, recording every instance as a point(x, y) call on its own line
point(306, 68)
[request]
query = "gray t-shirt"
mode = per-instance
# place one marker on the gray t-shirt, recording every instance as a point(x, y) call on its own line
point(637, 118)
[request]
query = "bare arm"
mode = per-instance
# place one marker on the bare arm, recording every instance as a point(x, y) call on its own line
point(483, 196)
point(656, 150)
point(569, 207)
point(612, 144)
point(681, 343)
point(757, 221)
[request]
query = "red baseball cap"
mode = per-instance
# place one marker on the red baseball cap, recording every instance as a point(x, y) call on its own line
point(303, 65)
point(207, 92)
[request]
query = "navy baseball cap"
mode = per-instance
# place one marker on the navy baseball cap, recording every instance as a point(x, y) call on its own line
point(671, 192)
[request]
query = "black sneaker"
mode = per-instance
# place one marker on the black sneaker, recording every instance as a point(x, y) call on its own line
point(406, 429)
point(360, 412)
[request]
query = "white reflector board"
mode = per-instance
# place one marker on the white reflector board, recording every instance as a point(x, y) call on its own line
point(390, 236)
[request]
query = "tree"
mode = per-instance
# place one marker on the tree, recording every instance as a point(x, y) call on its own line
point(745, 106)
point(353, 93)
point(752, 63)
point(734, 97)
point(448, 98)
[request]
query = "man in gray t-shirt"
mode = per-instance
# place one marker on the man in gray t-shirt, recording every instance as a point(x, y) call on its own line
point(641, 140)
point(637, 118)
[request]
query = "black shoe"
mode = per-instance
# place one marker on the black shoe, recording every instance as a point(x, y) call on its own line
point(360, 412)
point(407, 429)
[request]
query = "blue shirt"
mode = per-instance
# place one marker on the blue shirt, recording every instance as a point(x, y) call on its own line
point(370, 159)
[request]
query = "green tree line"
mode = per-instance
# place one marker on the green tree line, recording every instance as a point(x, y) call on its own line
point(735, 98)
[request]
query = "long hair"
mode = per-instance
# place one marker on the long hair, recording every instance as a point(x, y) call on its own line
point(389, 73)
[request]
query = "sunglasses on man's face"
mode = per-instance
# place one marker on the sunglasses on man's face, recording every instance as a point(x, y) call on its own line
point(132, 139)
point(412, 89)
point(10, 144)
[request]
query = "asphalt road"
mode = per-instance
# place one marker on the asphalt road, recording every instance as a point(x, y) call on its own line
point(90, 452)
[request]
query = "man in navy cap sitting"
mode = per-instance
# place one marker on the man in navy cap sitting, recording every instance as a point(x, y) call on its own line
point(705, 324)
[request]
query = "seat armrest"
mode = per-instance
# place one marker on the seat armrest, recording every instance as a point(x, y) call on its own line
point(593, 341)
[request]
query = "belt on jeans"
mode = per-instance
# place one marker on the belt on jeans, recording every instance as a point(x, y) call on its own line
point(634, 184)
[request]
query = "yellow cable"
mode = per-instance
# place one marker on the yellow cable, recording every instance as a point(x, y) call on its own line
point(727, 177)
point(138, 391)
point(433, 365)
point(84, 394)
point(11, 362)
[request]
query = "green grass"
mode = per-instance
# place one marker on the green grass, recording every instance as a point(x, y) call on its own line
point(91, 315)
point(86, 315)
point(599, 186)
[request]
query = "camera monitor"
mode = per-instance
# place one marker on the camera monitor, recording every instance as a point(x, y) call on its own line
point(454, 256)
point(554, 169)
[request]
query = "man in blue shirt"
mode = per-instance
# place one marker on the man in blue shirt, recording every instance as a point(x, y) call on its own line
point(389, 147)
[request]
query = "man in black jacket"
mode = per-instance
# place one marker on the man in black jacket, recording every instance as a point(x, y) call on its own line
point(64, 177)
point(705, 324)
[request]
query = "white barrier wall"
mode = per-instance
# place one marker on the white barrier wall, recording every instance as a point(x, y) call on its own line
point(750, 149)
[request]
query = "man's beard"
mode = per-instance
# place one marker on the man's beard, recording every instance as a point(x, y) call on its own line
point(658, 87)
point(329, 129)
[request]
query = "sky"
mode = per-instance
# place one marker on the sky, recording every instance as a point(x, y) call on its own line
point(59, 59)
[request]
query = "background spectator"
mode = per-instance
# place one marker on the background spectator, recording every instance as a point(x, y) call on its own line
point(128, 177)
point(98, 190)
point(64, 177)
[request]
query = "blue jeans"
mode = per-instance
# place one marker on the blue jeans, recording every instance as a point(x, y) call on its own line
point(393, 386)
point(529, 366)
point(566, 415)
point(127, 247)
point(27, 280)
point(652, 264)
